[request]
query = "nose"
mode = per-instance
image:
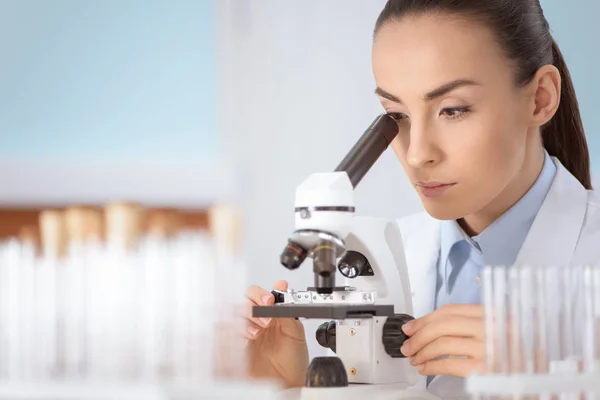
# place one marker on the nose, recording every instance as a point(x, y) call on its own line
point(422, 150)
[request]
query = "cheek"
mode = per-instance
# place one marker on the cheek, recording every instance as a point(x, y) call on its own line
point(491, 154)
point(495, 145)
point(399, 145)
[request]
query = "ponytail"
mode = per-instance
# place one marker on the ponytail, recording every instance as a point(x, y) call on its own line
point(563, 136)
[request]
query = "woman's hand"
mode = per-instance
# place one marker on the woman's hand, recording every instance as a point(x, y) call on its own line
point(277, 347)
point(454, 332)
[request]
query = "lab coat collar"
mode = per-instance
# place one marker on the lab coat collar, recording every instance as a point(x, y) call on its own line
point(558, 223)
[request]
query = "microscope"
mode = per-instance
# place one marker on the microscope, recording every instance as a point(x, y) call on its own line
point(365, 312)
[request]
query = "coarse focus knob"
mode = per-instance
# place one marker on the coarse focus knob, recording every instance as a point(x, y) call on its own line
point(326, 335)
point(326, 372)
point(393, 336)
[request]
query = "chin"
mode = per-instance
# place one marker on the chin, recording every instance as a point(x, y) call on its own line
point(441, 212)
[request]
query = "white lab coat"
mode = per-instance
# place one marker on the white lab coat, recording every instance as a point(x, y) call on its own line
point(566, 231)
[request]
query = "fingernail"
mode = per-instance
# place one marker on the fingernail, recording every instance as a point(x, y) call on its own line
point(252, 330)
point(267, 298)
point(407, 327)
point(421, 368)
point(265, 321)
point(412, 360)
point(404, 349)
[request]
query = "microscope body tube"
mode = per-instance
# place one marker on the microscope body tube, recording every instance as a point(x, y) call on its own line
point(365, 152)
point(369, 148)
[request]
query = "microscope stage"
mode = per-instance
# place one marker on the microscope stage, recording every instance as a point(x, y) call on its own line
point(323, 311)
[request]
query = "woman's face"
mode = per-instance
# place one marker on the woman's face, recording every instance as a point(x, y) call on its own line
point(463, 124)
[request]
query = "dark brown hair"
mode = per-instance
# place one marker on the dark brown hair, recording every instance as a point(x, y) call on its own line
point(523, 33)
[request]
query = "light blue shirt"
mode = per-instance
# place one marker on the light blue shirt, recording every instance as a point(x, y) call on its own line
point(462, 257)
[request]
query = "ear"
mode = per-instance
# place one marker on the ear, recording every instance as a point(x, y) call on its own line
point(546, 89)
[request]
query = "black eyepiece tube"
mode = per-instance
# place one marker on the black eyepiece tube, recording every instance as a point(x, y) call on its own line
point(369, 148)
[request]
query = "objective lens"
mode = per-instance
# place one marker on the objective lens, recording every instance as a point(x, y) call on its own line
point(324, 257)
point(293, 256)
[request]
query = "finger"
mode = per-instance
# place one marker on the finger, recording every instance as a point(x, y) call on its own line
point(449, 325)
point(260, 296)
point(281, 285)
point(253, 331)
point(461, 367)
point(260, 322)
point(263, 297)
point(467, 310)
point(449, 346)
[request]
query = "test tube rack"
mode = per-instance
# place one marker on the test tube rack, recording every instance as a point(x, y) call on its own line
point(542, 333)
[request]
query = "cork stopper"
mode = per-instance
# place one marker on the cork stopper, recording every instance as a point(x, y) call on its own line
point(30, 235)
point(225, 222)
point(123, 223)
point(164, 223)
point(53, 233)
point(82, 224)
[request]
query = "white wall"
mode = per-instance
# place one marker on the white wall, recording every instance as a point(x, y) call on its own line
point(297, 93)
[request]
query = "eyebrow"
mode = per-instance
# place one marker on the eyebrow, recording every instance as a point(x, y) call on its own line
point(434, 94)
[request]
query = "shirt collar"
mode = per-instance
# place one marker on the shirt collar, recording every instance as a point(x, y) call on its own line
point(501, 241)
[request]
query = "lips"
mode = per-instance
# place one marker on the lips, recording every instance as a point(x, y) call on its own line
point(434, 189)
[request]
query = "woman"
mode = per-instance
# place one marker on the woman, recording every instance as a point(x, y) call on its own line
point(490, 135)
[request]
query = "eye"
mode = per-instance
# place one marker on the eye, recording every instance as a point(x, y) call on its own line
point(397, 116)
point(455, 112)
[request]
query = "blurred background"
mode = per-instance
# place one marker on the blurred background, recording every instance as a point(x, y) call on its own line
point(188, 103)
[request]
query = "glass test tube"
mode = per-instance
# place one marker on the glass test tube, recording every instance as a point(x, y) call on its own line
point(500, 314)
point(540, 337)
point(552, 308)
point(488, 307)
point(527, 320)
point(596, 296)
point(514, 322)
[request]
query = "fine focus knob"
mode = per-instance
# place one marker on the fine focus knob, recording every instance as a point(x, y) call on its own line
point(354, 264)
point(326, 335)
point(393, 336)
point(326, 372)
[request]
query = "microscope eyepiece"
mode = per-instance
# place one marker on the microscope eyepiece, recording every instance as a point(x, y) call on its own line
point(293, 256)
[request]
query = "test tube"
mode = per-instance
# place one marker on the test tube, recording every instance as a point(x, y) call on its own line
point(54, 244)
point(162, 230)
point(540, 344)
point(589, 328)
point(596, 295)
point(527, 318)
point(29, 235)
point(82, 227)
point(514, 322)
point(26, 291)
point(226, 227)
point(488, 307)
point(10, 280)
point(123, 223)
point(500, 322)
point(553, 310)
